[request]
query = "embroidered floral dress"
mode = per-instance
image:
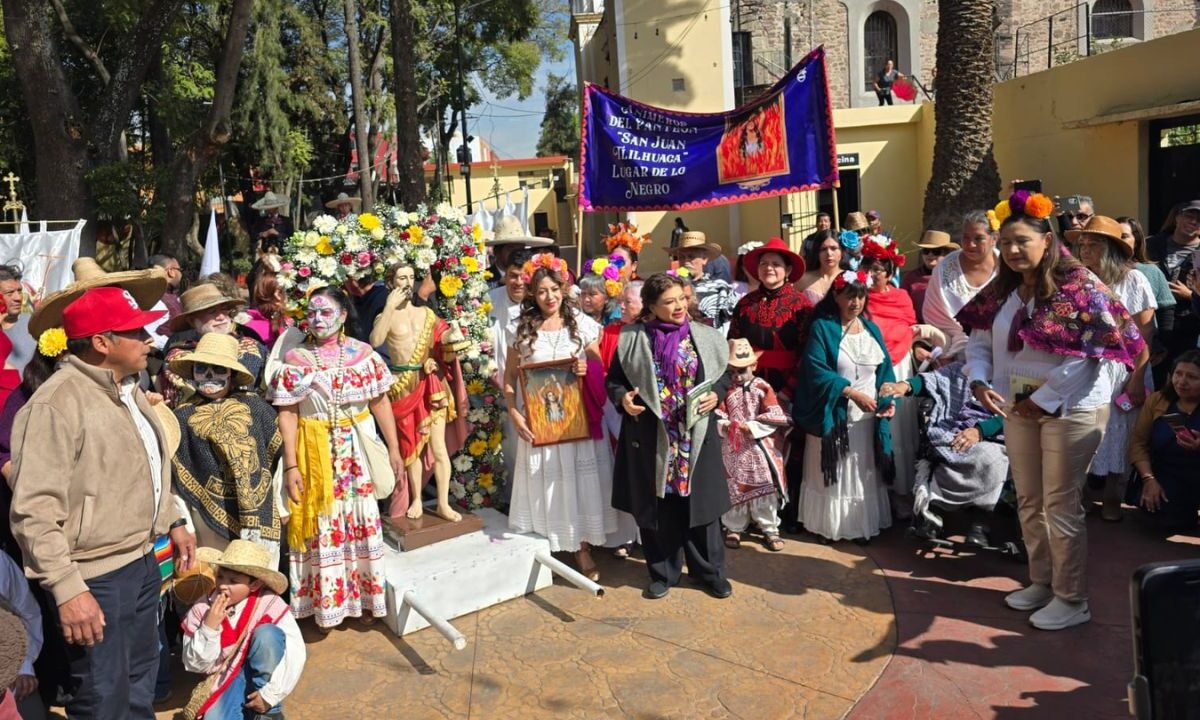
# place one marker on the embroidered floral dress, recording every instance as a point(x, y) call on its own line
point(337, 571)
point(673, 397)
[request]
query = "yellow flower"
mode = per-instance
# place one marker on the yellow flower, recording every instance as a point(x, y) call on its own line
point(476, 231)
point(471, 264)
point(494, 439)
point(1003, 211)
point(475, 387)
point(368, 222)
point(477, 448)
point(324, 247)
point(599, 264)
point(487, 275)
point(53, 342)
point(485, 481)
point(415, 234)
point(486, 307)
point(450, 285)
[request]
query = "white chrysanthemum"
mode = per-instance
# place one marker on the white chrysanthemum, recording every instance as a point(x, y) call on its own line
point(414, 217)
point(324, 224)
point(377, 233)
point(445, 210)
point(476, 499)
point(327, 266)
point(457, 490)
point(426, 257)
point(473, 353)
point(462, 463)
point(306, 257)
point(354, 243)
point(311, 238)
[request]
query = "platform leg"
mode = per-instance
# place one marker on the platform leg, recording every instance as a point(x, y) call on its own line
point(445, 628)
point(568, 573)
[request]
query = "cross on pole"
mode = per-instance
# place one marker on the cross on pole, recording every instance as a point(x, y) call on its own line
point(13, 203)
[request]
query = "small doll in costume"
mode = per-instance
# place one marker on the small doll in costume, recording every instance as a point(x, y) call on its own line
point(243, 637)
point(752, 428)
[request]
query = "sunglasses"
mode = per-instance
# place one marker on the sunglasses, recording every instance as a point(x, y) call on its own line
point(1081, 217)
point(935, 251)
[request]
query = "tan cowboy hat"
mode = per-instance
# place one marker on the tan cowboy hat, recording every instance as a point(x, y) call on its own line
point(172, 435)
point(213, 349)
point(248, 558)
point(508, 231)
point(937, 240)
point(270, 200)
point(146, 287)
point(694, 239)
point(741, 355)
point(201, 297)
point(856, 221)
point(344, 198)
point(13, 643)
point(1104, 227)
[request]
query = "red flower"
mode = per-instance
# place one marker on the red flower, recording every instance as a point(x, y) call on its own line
point(347, 258)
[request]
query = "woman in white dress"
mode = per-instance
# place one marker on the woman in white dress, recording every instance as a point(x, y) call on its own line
point(561, 491)
point(1108, 253)
point(847, 454)
point(958, 279)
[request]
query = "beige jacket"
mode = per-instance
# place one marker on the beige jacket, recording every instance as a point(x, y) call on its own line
point(83, 497)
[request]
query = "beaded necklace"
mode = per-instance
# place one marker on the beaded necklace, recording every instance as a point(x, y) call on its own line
point(335, 390)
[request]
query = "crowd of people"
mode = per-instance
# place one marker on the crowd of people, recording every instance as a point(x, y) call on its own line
point(1041, 357)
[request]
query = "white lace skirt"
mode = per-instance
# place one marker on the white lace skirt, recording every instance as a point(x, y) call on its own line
point(856, 506)
point(564, 492)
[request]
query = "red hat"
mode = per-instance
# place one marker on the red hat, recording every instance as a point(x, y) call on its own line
point(775, 245)
point(105, 309)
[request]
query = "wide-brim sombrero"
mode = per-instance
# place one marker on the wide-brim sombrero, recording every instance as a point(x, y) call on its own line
point(146, 287)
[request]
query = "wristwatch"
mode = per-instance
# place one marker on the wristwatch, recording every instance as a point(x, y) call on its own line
point(178, 523)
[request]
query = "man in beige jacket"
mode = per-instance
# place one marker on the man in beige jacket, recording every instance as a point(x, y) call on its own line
point(91, 492)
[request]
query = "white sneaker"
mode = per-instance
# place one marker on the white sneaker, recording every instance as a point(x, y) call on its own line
point(1031, 598)
point(1060, 614)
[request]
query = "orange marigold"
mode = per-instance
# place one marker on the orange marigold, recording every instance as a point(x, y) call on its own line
point(1039, 206)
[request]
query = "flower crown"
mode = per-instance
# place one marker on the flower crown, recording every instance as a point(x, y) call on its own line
point(850, 239)
point(608, 268)
point(850, 277)
point(1021, 203)
point(625, 235)
point(882, 247)
point(543, 260)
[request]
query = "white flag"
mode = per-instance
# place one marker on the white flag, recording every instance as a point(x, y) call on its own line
point(211, 262)
point(24, 229)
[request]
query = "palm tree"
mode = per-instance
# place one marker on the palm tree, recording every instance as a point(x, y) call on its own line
point(964, 170)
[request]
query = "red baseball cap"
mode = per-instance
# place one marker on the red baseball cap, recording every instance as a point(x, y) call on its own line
point(105, 309)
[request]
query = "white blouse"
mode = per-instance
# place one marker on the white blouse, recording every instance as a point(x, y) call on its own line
point(203, 649)
point(1067, 383)
point(947, 293)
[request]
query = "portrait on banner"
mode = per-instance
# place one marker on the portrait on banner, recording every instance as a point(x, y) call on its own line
point(754, 145)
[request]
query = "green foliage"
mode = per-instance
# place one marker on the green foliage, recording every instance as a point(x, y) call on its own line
point(560, 124)
point(118, 189)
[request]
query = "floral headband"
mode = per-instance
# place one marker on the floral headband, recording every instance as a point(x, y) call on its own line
point(850, 240)
point(850, 277)
point(625, 235)
point(543, 260)
point(1021, 203)
point(747, 247)
point(608, 268)
point(882, 247)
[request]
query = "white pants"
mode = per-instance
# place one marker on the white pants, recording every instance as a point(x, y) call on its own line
point(763, 511)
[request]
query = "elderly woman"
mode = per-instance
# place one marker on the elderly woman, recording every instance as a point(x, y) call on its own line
point(1043, 338)
point(1103, 248)
point(206, 309)
point(958, 278)
point(669, 474)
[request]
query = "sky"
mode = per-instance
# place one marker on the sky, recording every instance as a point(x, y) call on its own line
point(512, 126)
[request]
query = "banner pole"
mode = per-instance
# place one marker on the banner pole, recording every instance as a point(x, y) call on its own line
point(837, 215)
point(578, 240)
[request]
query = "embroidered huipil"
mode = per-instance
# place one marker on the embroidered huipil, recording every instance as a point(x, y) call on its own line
point(672, 393)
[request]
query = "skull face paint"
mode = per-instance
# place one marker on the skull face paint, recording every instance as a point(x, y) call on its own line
point(212, 381)
point(325, 317)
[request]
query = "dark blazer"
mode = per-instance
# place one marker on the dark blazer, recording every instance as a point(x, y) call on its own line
point(639, 477)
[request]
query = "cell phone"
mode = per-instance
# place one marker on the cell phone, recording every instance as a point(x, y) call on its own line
point(1069, 204)
point(1177, 421)
point(1165, 603)
point(1033, 186)
point(1122, 401)
point(1195, 261)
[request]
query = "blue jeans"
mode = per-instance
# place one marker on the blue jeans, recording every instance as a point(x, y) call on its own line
point(265, 654)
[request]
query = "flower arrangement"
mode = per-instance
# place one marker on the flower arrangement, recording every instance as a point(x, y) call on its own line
point(608, 268)
point(330, 253)
point(625, 235)
point(1022, 202)
point(850, 277)
point(442, 243)
point(850, 240)
point(882, 247)
point(543, 260)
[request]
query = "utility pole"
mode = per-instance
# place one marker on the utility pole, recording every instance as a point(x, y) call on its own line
point(464, 150)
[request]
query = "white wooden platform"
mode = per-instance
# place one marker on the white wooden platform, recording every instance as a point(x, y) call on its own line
point(464, 574)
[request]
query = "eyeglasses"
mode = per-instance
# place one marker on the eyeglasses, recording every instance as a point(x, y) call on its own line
point(934, 251)
point(1081, 216)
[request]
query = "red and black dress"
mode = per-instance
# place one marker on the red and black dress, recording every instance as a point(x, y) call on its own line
point(775, 322)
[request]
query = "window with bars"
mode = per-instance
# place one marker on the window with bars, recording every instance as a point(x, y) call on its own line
point(880, 44)
point(1112, 19)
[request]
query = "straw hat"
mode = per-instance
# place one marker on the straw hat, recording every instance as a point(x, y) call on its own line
point(146, 287)
point(196, 583)
point(694, 239)
point(172, 435)
point(775, 245)
point(1103, 227)
point(741, 355)
point(856, 221)
point(344, 198)
point(213, 349)
point(13, 643)
point(508, 231)
point(270, 200)
point(248, 558)
point(937, 240)
point(199, 298)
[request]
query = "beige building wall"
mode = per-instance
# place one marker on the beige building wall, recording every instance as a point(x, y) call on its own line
point(493, 184)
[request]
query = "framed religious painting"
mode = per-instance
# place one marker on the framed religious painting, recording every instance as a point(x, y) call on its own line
point(554, 406)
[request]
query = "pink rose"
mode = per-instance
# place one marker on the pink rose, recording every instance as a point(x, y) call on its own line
point(287, 266)
point(304, 271)
point(364, 258)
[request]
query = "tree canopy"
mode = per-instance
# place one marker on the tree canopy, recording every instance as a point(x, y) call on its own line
point(560, 124)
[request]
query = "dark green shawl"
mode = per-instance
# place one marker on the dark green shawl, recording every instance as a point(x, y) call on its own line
point(821, 409)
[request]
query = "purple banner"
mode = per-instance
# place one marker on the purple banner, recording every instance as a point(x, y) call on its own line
point(639, 157)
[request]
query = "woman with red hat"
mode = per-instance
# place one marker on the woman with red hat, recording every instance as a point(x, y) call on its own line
point(774, 319)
